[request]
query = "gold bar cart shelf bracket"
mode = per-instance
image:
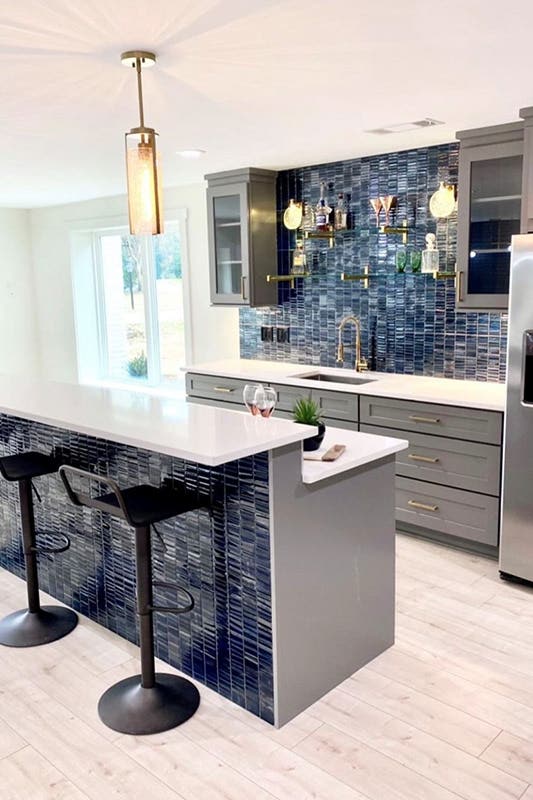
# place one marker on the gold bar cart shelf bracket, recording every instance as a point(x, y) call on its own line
point(286, 278)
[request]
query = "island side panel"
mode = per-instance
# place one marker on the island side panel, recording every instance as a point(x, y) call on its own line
point(333, 576)
point(226, 641)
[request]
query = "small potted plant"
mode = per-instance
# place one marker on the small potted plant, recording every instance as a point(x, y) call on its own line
point(307, 412)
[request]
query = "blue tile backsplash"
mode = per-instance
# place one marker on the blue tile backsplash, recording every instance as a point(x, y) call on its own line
point(223, 559)
point(409, 321)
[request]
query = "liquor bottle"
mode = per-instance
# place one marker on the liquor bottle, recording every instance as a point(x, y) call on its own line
point(299, 259)
point(322, 210)
point(308, 219)
point(430, 256)
point(341, 214)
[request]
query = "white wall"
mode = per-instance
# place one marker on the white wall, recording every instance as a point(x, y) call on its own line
point(19, 351)
point(214, 330)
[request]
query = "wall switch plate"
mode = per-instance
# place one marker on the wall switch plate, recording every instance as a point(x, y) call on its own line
point(283, 334)
point(267, 333)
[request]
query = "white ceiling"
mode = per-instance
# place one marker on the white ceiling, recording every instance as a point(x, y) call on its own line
point(266, 83)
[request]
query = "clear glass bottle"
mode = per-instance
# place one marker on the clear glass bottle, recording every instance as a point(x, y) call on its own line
point(308, 219)
point(322, 210)
point(430, 256)
point(341, 214)
point(299, 259)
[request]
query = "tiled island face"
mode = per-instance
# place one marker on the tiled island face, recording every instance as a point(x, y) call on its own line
point(223, 559)
point(409, 321)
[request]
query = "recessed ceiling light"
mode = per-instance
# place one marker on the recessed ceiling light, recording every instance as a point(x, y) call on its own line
point(193, 153)
point(403, 127)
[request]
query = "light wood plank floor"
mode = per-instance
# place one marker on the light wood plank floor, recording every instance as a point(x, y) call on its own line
point(446, 713)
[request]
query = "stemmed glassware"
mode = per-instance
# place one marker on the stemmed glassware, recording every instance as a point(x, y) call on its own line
point(259, 400)
point(375, 202)
point(387, 203)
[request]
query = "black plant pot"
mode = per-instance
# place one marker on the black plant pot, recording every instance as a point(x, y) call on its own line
point(315, 441)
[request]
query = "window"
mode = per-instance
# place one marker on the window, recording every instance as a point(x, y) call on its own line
point(136, 331)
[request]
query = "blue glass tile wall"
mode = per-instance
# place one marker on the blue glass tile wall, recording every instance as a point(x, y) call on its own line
point(224, 560)
point(409, 321)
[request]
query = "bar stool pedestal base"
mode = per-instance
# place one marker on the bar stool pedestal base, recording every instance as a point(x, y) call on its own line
point(29, 629)
point(127, 707)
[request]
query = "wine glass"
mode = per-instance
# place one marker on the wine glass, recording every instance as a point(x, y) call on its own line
point(387, 201)
point(375, 202)
point(265, 400)
point(248, 395)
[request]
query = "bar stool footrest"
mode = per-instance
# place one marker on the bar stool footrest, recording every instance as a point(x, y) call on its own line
point(173, 609)
point(37, 548)
point(28, 629)
point(127, 707)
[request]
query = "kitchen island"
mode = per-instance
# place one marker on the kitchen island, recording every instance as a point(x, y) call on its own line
point(291, 567)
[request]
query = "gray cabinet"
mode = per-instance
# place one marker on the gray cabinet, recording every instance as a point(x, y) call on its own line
point(241, 219)
point(474, 425)
point(463, 515)
point(489, 213)
point(527, 182)
point(334, 406)
point(451, 462)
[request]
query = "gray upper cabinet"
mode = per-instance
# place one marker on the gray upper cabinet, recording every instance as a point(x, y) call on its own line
point(527, 184)
point(241, 218)
point(489, 213)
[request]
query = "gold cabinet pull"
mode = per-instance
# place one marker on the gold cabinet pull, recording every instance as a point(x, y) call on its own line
point(243, 287)
point(433, 420)
point(427, 459)
point(422, 506)
point(224, 389)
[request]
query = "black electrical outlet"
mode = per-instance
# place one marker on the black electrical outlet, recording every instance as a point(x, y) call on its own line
point(267, 333)
point(283, 334)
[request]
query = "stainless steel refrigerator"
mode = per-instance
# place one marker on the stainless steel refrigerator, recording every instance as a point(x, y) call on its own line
point(516, 535)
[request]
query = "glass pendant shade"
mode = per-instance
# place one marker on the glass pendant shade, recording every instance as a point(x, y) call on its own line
point(144, 183)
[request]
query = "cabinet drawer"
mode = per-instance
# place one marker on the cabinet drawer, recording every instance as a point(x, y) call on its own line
point(451, 462)
point(466, 515)
point(211, 387)
point(458, 423)
point(287, 396)
point(337, 405)
point(333, 405)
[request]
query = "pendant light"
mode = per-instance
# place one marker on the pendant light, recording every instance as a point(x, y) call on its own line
point(142, 163)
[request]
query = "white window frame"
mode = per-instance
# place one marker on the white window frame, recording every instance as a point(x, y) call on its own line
point(89, 302)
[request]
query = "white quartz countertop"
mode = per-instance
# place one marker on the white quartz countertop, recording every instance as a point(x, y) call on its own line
point(468, 394)
point(361, 449)
point(168, 425)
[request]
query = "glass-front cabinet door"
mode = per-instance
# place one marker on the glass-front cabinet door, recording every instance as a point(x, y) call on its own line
point(227, 211)
point(241, 218)
point(489, 197)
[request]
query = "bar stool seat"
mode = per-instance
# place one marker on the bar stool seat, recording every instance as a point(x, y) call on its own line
point(31, 464)
point(150, 504)
point(37, 624)
point(150, 702)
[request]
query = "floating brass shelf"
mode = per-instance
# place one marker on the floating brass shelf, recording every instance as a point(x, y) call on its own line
point(401, 231)
point(329, 235)
point(286, 278)
point(444, 275)
point(363, 277)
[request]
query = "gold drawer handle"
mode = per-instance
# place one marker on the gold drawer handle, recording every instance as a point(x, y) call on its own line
point(223, 389)
point(426, 459)
point(434, 420)
point(423, 506)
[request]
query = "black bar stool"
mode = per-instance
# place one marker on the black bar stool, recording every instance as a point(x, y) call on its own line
point(37, 624)
point(150, 702)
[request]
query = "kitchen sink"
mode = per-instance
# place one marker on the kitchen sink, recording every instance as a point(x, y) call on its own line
point(325, 376)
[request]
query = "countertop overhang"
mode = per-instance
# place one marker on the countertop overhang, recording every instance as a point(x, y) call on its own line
point(422, 388)
point(168, 425)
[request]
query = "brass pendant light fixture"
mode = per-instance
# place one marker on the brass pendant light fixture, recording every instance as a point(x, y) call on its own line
point(142, 162)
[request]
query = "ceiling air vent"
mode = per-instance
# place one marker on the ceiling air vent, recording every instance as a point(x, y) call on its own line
point(404, 127)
